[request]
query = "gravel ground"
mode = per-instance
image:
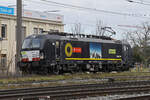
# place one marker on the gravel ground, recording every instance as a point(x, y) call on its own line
point(112, 97)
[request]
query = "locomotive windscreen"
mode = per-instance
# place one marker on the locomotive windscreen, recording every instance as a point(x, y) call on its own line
point(31, 43)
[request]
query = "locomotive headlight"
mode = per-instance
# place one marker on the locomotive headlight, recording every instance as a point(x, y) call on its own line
point(42, 55)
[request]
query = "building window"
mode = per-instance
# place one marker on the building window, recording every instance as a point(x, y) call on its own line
point(52, 30)
point(3, 60)
point(40, 30)
point(3, 30)
point(35, 30)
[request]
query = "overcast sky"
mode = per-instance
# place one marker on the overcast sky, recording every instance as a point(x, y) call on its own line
point(88, 18)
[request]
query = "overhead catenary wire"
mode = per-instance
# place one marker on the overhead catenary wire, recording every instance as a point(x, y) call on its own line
point(83, 8)
point(47, 2)
point(140, 2)
point(93, 9)
point(144, 1)
point(80, 8)
point(124, 27)
point(70, 23)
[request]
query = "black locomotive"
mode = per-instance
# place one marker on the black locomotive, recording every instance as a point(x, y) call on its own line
point(60, 52)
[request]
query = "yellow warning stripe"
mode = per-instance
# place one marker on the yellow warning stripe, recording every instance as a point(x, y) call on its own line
point(91, 59)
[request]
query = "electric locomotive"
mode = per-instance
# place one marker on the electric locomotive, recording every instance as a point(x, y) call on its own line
point(60, 52)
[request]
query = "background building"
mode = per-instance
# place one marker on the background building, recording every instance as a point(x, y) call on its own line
point(33, 22)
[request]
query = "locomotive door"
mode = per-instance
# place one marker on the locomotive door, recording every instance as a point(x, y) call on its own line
point(57, 51)
point(51, 50)
point(126, 52)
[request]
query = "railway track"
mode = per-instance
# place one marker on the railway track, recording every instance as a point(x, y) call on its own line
point(76, 91)
point(143, 97)
point(28, 75)
point(102, 80)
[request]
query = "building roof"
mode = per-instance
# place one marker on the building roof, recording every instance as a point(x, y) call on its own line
point(67, 36)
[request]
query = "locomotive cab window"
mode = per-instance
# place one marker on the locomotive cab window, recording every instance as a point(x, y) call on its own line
point(31, 43)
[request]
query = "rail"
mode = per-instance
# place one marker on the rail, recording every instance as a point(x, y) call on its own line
point(76, 91)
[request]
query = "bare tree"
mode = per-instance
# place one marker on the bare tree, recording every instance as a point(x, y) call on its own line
point(141, 36)
point(77, 28)
point(139, 39)
point(11, 68)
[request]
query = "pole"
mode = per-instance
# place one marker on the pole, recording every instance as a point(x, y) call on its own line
point(1, 44)
point(19, 30)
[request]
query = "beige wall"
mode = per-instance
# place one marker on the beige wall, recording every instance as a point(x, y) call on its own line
point(8, 45)
point(0, 27)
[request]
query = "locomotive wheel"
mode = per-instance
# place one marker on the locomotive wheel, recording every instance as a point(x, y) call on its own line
point(56, 69)
point(24, 71)
point(79, 69)
point(73, 71)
